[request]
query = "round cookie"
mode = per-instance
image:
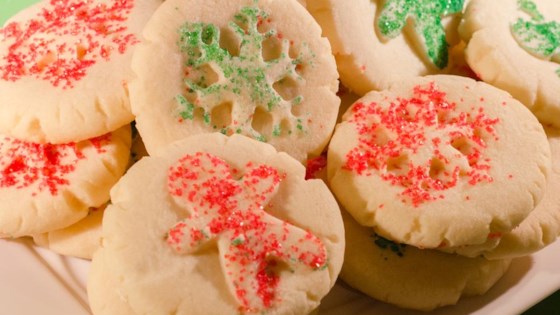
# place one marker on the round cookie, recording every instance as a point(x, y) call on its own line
point(410, 277)
point(65, 68)
point(45, 187)
point(103, 287)
point(439, 161)
point(80, 239)
point(221, 225)
point(380, 42)
point(541, 227)
point(257, 68)
point(514, 45)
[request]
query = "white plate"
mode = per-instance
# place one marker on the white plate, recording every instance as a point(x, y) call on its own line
point(36, 281)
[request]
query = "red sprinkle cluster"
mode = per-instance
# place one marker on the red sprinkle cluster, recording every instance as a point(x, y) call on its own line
point(24, 164)
point(315, 166)
point(390, 134)
point(254, 246)
point(64, 40)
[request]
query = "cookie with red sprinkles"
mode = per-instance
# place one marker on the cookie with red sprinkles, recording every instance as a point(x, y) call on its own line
point(220, 225)
point(439, 161)
point(540, 228)
point(65, 68)
point(257, 68)
point(47, 187)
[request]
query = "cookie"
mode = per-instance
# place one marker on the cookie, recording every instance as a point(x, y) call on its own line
point(226, 225)
point(439, 161)
point(409, 277)
point(540, 228)
point(378, 43)
point(80, 239)
point(514, 45)
point(106, 284)
point(65, 68)
point(45, 187)
point(257, 68)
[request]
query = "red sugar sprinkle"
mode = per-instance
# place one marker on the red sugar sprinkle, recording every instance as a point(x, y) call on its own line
point(64, 40)
point(315, 165)
point(23, 164)
point(389, 135)
point(231, 210)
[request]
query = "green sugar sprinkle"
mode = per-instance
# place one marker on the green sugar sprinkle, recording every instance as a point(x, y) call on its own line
point(427, 16)
point(536, 36)
point(245, 75)
point(384, 243)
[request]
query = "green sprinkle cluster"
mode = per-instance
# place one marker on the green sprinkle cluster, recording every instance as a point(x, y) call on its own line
point(245, 75)
point(536, 36)
point(384, 243)
point(427, 16)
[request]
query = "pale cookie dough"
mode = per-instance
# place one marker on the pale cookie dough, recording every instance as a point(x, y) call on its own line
point(221, 225)
point(257, 68)
point(540, 228)
point(107, 299)
point(80, 239)
point(65, 68)
point(377, 43)
point(439, 161)
point(410, 277)
point(45, 187)
point(515, 46)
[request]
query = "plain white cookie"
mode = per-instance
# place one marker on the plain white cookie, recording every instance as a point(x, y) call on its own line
point(531, 76)
point(366, 59)
point(439, 161)
point(46, 187)
point(81, 239)
point(410, 277)
point(153, 200)
point(258, 68)
point(64, 75)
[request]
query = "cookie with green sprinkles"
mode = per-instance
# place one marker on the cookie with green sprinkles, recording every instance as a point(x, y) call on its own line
point(256, 68)
point(439, 161)
point(65, 68)
point(410, 277)
point(377, 43)
point(515, 46)
point(219, 225)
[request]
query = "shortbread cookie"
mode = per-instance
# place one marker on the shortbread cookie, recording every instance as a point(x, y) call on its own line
point(45, 187)
point(107, 286)
point(80, 239)
point(257, 68)
point(377, 43)
point(439, 161)
point(221, 225)
point(65, 68)
point(515, 45)
point(410, 277)
point(540, 228)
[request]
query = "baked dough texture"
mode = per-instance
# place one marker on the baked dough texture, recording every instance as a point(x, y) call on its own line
point(220, 225)
point(257, 68)
point(380, 42)
point(80, 239)
point(45, 187)
point(439, 161)
point(65, 68)
point(409, 277)
point(513, 45)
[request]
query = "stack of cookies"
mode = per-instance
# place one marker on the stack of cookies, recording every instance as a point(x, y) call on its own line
point(421, 188)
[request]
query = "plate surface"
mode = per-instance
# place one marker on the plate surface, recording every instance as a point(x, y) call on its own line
point(36, 281)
